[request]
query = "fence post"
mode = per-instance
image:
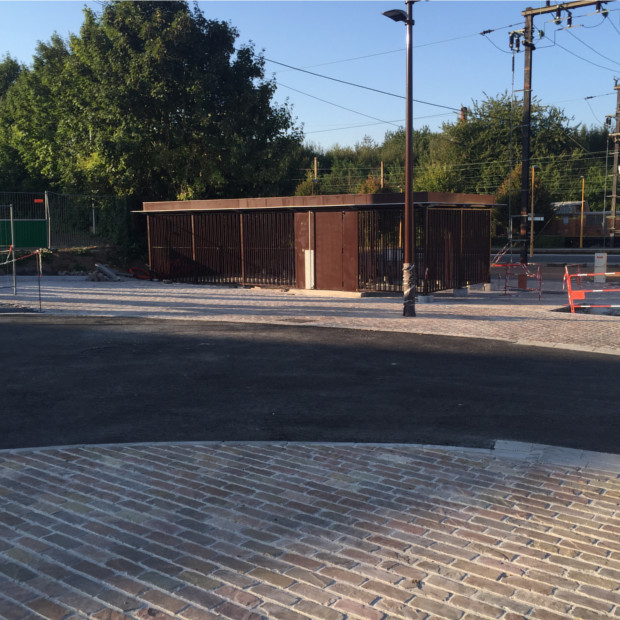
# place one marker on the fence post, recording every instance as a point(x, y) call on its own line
point(92, 208)
point(49, 222)
point(13, 248)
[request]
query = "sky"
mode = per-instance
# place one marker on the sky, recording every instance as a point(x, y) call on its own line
point(351, 41)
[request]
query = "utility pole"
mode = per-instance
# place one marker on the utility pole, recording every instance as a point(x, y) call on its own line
point(528, 43)
point(614, 184)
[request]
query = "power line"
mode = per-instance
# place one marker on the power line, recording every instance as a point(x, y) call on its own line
point(555, 43)
point(374, 118)
point(598, 120)
point(572, 34)
point(613, 26)
point(494, 45)
point(416, 118)
point(376, 90)
point(336, 62)
point(415, 46)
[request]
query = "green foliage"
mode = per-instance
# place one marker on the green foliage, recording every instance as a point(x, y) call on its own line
point(9, 72)
point(151, 99)
point(308, 187)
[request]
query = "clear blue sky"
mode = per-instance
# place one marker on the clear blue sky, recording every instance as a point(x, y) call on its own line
point(350, 40)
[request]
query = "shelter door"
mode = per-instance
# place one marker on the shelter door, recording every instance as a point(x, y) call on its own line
point(336, 250)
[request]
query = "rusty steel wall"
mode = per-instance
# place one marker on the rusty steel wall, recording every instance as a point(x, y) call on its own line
point(223, 248)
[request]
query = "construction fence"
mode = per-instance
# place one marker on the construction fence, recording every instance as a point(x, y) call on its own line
point(59, 221)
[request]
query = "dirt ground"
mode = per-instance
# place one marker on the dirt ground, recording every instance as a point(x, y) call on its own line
point(77, 261)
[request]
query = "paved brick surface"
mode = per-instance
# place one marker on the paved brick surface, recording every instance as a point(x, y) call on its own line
point(291, 531)
point(305, 531)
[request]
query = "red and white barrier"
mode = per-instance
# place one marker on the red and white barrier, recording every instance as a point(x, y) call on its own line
point(522, 272)
point(578, 294)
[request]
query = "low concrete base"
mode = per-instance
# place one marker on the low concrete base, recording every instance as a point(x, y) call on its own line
point(425, 299)
point(461, 292)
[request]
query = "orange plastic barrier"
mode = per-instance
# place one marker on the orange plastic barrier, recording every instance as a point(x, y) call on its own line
point(579, 294)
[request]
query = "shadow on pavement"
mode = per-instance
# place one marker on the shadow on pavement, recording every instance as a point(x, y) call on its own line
point(108, 380)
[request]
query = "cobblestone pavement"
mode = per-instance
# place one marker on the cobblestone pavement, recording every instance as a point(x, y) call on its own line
point(327, 532)
point(305, 531)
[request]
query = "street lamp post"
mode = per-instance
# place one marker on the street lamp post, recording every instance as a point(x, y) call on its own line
point(409, 275)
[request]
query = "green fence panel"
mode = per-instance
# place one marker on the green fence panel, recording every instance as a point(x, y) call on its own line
point(28, 233)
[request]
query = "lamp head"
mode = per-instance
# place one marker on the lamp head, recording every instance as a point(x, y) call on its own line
point(397, 15)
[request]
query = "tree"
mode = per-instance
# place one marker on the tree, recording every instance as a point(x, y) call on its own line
point(9, 72)
point(154, 100)
point(480, 150)
point(34, 112)
point(11, 172)
point(15, 174)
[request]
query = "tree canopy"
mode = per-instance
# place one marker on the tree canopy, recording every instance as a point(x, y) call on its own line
point(149, 99)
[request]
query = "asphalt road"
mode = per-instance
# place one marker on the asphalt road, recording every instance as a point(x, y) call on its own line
point(100, 380)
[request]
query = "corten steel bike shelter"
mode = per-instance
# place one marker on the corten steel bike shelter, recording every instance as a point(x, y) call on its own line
point(345, 242)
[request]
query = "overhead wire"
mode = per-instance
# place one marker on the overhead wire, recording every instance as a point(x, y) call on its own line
point(555, 43)
point(374, 118)
point(613, 25)
point(376, 90)
point(494, 44)
point(572, 34)
point(414, 46)
point(401, 121)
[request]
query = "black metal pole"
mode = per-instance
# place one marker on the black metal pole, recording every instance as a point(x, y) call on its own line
point(409, 275)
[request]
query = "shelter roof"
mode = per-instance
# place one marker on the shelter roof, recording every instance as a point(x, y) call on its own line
point(332, 201)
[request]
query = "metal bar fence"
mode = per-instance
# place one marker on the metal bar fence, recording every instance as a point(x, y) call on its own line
point(452, 248)
point(224, 248)
point(380, 249)
point(269, 248)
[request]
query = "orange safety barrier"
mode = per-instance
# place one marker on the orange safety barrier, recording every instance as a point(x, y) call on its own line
point(579, 294)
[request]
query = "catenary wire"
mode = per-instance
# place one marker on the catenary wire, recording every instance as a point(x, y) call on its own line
point(572, 34)
point(376, 90)
point(374, 118)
